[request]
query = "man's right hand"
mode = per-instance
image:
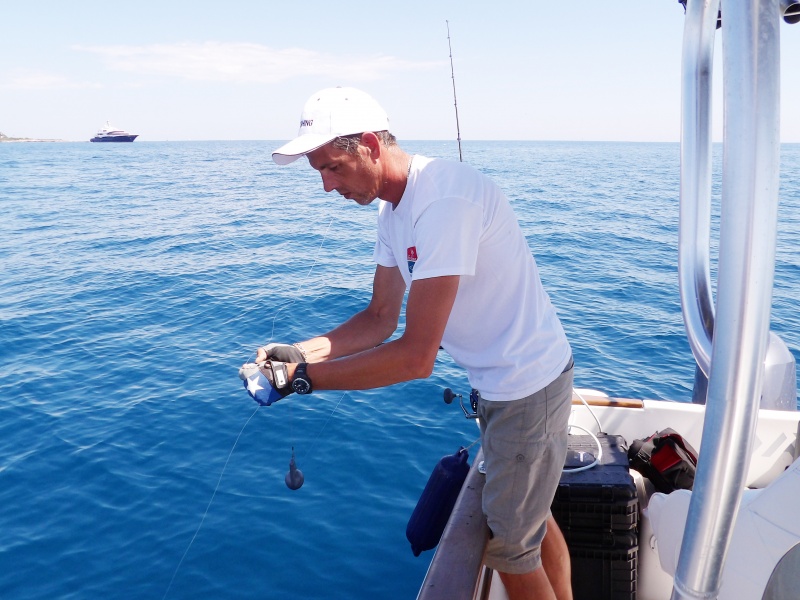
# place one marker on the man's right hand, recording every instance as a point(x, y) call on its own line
point(285, 353)
point(266, 382)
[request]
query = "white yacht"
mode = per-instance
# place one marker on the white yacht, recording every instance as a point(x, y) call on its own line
point(110, 134)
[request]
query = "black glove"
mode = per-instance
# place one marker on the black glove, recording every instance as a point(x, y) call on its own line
point(278, 377)
point(261, 381)
point(283, 352)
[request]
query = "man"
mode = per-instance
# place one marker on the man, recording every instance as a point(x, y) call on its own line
point(448, 235)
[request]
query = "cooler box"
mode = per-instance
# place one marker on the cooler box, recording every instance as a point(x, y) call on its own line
point(598, 512)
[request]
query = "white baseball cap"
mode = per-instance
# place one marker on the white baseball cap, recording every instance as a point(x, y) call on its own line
point(331, 113)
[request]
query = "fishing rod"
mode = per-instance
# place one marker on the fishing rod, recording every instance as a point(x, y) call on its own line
point(455, 101)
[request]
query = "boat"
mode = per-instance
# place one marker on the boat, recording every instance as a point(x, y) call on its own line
point(110, 134)
point(735, 535)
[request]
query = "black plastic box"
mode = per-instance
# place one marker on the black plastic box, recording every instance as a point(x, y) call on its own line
point(603, 497)
point(604, 574)
point(598, 512)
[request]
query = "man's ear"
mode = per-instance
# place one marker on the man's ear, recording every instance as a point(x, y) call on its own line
point(373, 144)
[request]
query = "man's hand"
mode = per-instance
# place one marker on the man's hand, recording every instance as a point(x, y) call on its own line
point(266, 382)
point(280, 352)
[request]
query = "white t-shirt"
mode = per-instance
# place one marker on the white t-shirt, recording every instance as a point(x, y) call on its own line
point(503, 330)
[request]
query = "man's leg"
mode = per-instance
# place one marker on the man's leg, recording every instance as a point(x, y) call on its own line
point(552, 580)
point(524, 447)
point(528, 586)
point(555, 560)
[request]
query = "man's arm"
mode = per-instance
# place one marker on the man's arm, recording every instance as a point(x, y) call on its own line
point(411, 356)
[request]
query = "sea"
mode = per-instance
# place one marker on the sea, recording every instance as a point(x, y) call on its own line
point(136, 280)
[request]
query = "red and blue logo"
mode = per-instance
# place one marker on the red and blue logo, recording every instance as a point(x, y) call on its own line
point(411, 256)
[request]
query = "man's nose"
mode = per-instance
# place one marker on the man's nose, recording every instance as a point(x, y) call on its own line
point(328, 182)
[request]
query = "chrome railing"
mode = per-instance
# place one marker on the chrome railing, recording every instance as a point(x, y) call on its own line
point(780, 390)
point(730, 346)
point(695, 189)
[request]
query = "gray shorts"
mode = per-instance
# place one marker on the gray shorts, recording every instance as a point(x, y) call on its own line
point(524, 446)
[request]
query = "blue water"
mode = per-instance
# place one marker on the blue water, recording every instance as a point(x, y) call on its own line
point(136, 278)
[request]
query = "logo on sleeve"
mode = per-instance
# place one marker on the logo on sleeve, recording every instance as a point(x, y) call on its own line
point(411, 255)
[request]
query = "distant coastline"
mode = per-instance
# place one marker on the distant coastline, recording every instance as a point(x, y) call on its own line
point(5, 138)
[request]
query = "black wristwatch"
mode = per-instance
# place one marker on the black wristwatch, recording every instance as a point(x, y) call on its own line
point(301, 383)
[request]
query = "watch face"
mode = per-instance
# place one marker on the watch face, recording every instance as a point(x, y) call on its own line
point(301, 386)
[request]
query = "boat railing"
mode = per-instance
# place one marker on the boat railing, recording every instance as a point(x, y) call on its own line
point(695, 179)
point(731, 345)
point(780, 389)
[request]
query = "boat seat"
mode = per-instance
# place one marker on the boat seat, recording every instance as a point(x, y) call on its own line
point(766, 529)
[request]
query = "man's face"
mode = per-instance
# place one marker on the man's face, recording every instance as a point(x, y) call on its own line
point(355, 176)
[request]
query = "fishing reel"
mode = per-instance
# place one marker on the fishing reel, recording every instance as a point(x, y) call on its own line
point(449, 395)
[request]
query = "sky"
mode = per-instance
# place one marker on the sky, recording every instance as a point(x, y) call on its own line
point(242, 69)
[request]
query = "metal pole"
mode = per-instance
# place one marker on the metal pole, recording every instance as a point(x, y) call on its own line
point(695, 190)
point(748, 225)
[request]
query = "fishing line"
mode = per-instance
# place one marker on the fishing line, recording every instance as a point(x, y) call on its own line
point(294, 478)
point(302, 283)
point(236, 441)
point(313, 443)
point(205, 514)
point(290, 304)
